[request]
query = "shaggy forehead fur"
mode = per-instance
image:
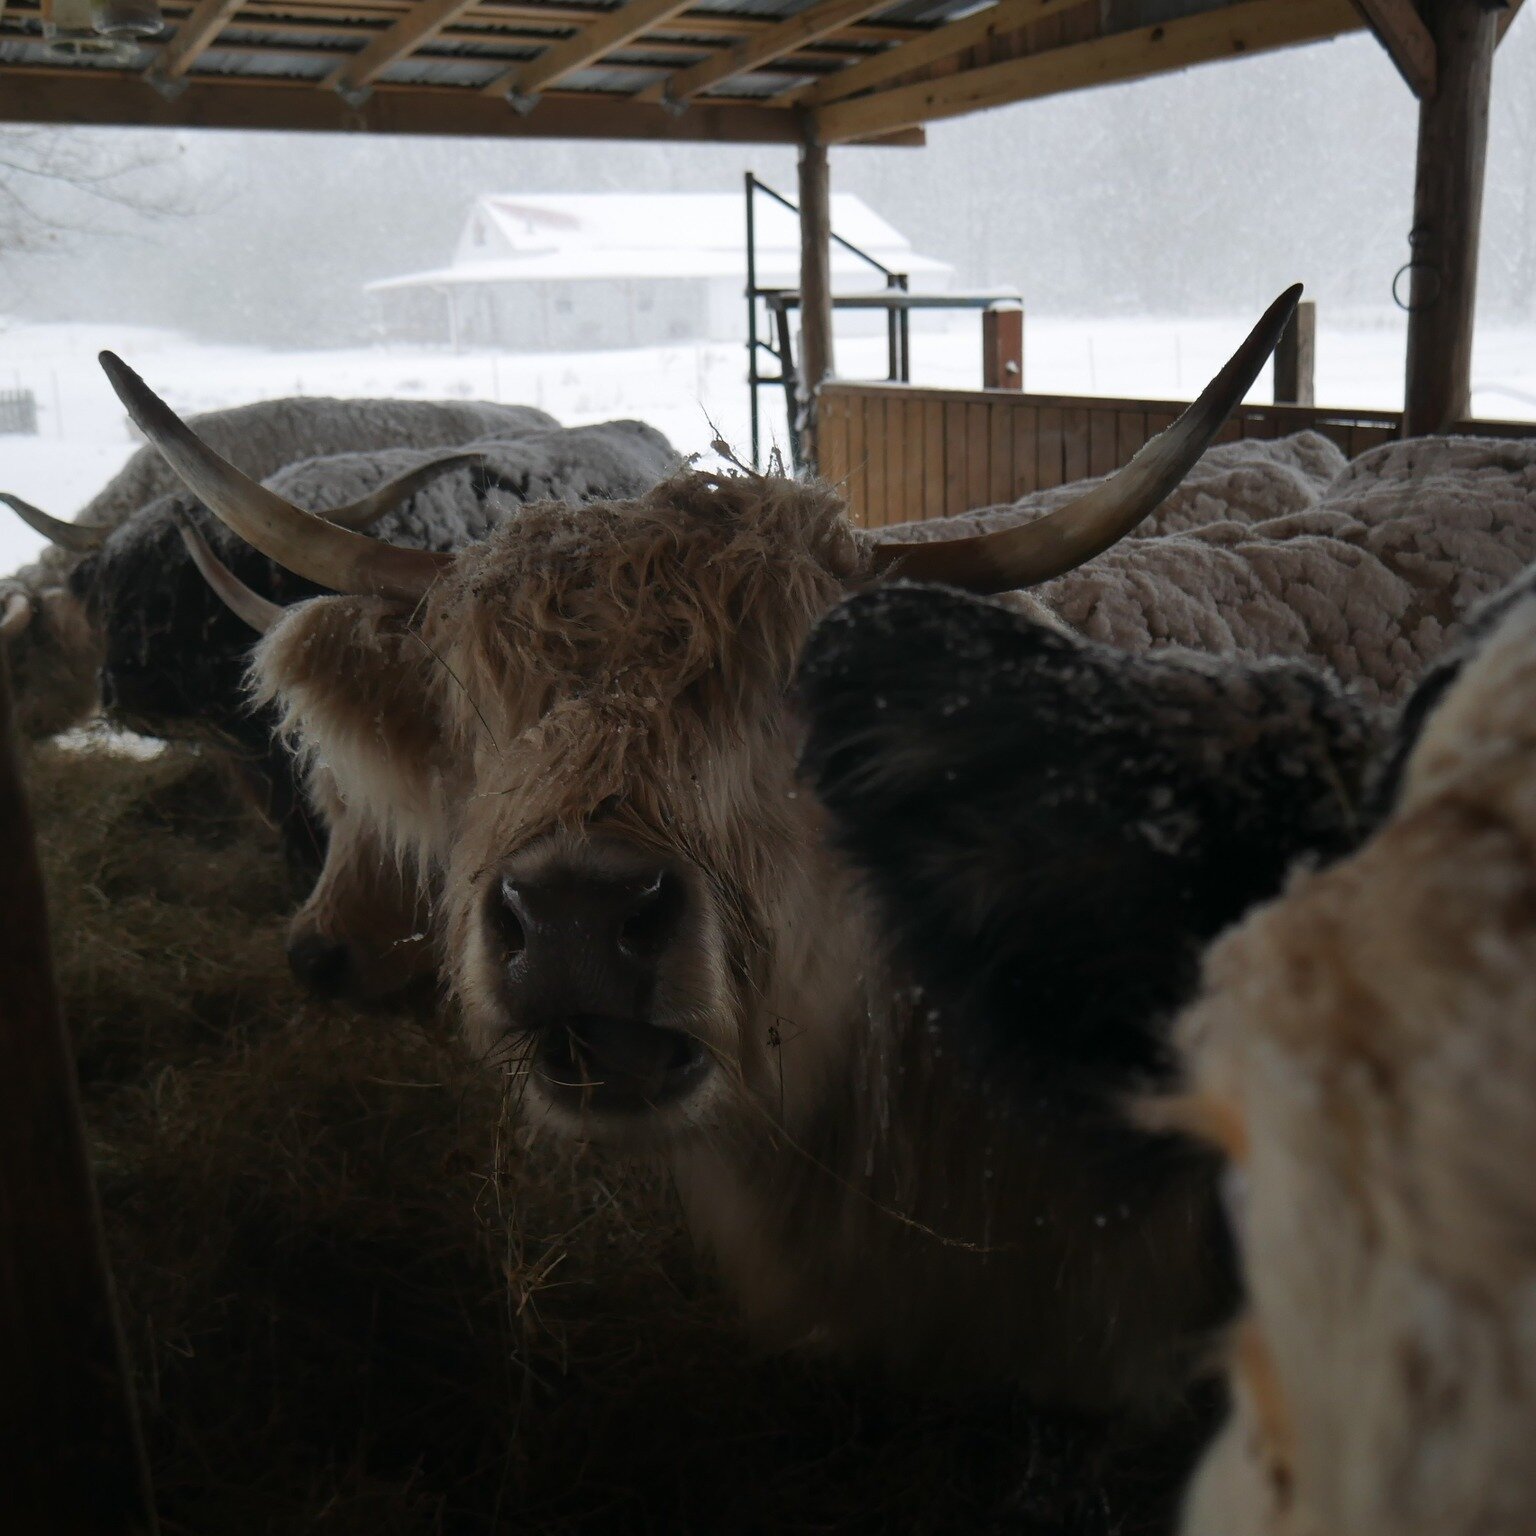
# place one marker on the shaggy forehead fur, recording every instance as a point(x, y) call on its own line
point(653, 630)
point(576, 655)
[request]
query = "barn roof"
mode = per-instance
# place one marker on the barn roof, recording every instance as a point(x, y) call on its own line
point(742, 70)
point(572, 236)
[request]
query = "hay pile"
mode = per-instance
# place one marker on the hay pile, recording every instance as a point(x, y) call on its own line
point(356, 1303)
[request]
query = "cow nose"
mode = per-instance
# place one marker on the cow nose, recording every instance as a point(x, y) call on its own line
point(582, 953)
point(582, 943)
point(320, 964)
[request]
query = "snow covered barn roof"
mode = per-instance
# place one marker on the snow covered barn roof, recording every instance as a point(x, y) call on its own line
point(759, 71)
point(591, 235)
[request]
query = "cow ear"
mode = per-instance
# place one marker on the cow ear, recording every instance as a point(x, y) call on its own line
point(358, 691)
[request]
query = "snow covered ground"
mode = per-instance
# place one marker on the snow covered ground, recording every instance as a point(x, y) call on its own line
point(84, 437)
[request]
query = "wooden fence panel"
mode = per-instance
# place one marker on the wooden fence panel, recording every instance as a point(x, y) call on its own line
point(832, 439)
point(1074, 442)
point(977, 479)
point(1103, 446)
point(1026, 432)
point(875, 438)
point(898, 494)
point(932, 504)
point(854, 490)
point(954, 457)
point(1000, 454)
point(911, 453)
point(1048, 452)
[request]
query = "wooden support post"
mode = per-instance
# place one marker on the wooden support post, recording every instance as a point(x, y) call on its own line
point(70, 1454)
point(1296, 358)
point(1002, 347)
point(815, 289)
point(1447, 212)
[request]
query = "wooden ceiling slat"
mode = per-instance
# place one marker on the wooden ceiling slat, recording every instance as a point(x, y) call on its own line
point(1401, 31)
point(942, 43)
point(193, 37)
point(620, 26)
point(419, 26)
point(1249, 26)
point(820, 20)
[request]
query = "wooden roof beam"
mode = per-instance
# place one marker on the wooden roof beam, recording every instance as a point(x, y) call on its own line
point(818, 21)
point(1510, 12)
point(193, 38)
point(621, 25)
point(354, 79)
point(1401, 31)
point(941, 43)
point(1250, 26)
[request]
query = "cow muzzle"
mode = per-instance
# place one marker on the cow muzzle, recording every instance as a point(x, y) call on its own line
point(584, 949)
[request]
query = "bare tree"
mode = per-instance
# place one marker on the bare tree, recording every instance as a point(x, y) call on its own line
point(59, 182)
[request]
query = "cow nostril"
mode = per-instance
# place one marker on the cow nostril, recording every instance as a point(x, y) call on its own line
point(321, 964)
point(652, 918)
point(509, 915)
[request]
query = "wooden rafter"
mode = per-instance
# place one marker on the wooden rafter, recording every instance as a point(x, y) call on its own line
point(193, 37)
point(100, 98)
point(1251, 26)
point(621, 25)
point(1510, 11)
point(941, 43)
point(416, 27)
point(820, 20)
point(1401, 31)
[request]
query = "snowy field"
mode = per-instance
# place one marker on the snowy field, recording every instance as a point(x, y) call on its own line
point(84, 437)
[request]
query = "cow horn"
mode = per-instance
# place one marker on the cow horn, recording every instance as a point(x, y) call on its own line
point(77, 538)
point(1021, 557)
point(257, 611)
point(366, 511)
point(15, 615)
point(338, 558)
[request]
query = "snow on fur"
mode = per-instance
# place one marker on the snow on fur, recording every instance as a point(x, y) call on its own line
point(1284, 549)
point(53, 662)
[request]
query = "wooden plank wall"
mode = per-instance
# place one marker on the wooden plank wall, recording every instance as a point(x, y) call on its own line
point(904, 454)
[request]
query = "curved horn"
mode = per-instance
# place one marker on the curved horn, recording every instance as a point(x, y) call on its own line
point(77, 538)
point(1010, 558)
point(308, 546)
point(15, 615)
point(257, 611)
point(368, 509)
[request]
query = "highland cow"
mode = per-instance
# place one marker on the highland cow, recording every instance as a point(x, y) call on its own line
point(581, 722)
point(53, 649)
point(1363, 1052)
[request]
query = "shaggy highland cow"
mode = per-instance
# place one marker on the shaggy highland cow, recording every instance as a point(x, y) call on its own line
point(1364, 1053)
point(1052, 829)
point(581, 722)
point(53, 649)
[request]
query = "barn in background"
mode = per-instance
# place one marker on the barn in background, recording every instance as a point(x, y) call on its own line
point(584, 271)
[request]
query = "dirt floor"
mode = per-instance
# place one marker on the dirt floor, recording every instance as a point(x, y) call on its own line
point(355, 1301)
